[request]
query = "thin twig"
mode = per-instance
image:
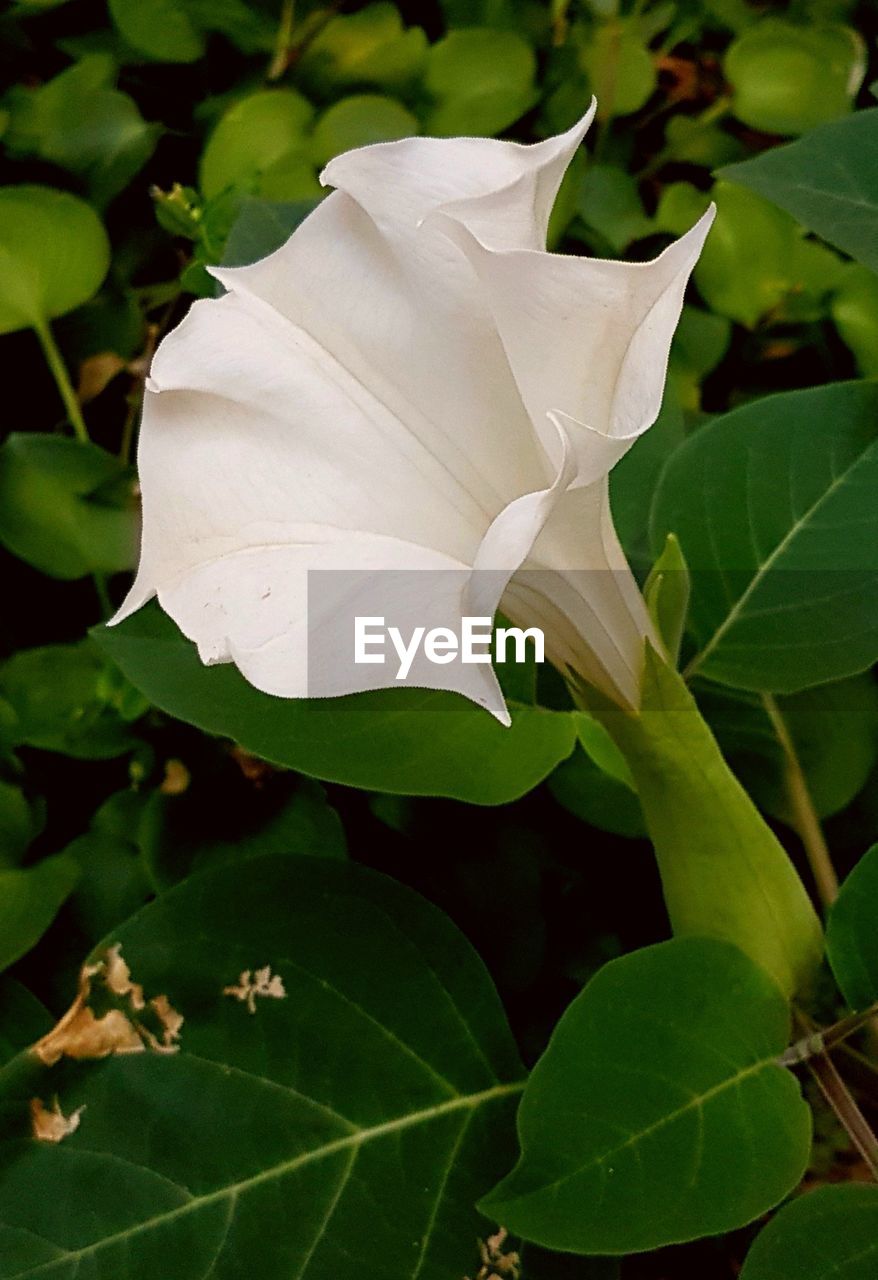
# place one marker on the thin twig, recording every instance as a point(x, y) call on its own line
point(817, 1042)
point(849, 1115)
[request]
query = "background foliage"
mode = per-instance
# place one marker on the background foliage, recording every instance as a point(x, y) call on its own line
point(145, 140)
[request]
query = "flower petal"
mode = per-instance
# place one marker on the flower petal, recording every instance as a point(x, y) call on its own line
point(576, 585)
point(285, 615)
point(586, 338)
point(405, 319)
point(504, 190)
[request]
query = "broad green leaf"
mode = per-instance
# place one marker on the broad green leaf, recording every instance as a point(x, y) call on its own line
point(30, 898)
point(620, 68)
point(54, 253)
point(634, 479)
point(834, 728)
point(828, 1234)
point(66, 700)
point(22, 1019)
point(162, 29)
point(260, 227)
point(658, 1113)
point(748, 264)
point(261, 145)
point(854, 311)
point(80, 121)
point(113, 884)
point(357, 1114)
point(851, 936)
point(359, 121)
point(610, 203)
point(370, 47)
point(407, 741)
point(828, 180)
point(20, 822)
point(481, 82)
point(782, 542)
point(788, 78)
point(724, 873)
point(66, 507)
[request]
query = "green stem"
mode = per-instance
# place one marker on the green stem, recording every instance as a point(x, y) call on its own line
point(804, 815)
point(724, 872)
point(283, 41)
point(55, 361)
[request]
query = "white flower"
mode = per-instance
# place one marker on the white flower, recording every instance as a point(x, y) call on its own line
point(410, 383)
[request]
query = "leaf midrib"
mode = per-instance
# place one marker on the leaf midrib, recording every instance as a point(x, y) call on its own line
point(766, 566)
point(695, 1103)
point(233, 1190)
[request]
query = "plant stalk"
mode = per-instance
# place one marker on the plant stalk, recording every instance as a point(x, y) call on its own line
point(58, 369)
point(849, 1115)
point(805, 819)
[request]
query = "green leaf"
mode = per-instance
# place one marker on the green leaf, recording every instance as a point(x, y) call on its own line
point(828, 180)
point(610, 203)
point(748, 264)
point(854, 311)
point(700, 343)
point(596, 797)
point(359, 121)
point(829, 1234)
point(834, 729)
point(788, 78)
point(80, 121)
point(261, 144)
point(162, 29)
point(481, 81)
point(658, 1113)
point(20, 822)
point(54, 253)
point(29, 901)
point(851, 937)
point(22, 1019)
point(406, 741)
point(65, 700)
point(66, 507)
point(261, 227)
point(113, 882)
point(357, 1116)
point(634, 479)
point(370, 47)
point(724, 873)
point(620, 68)
point(782, 543)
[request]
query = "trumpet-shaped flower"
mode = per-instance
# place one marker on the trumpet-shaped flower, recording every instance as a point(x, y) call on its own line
point(411, 390)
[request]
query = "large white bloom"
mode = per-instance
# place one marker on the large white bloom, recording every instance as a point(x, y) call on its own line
point(410, 383)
